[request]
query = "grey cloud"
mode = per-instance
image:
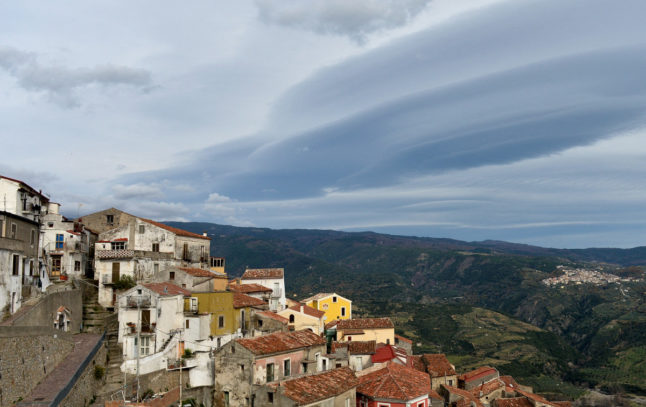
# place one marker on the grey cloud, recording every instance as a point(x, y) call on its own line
point(138, 190)
point(61, 83)
point(355, 19)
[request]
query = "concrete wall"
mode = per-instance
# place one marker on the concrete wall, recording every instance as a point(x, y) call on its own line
point(45, 312)
point(27, 355)
point(87, 386)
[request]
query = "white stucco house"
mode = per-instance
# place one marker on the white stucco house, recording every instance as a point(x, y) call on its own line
point(273, 278)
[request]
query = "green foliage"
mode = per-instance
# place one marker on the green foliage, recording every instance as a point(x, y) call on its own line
point(99, 372)
point(124, 283)
point(188, 353)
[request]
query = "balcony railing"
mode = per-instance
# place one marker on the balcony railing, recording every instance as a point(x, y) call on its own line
point(139, 301)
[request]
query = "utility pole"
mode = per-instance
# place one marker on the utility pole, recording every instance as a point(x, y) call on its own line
point(138, 347)
point(180, 368)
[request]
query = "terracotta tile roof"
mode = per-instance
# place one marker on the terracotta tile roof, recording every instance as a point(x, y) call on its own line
point(243, 300)
point(356, 347)
point(347, 332)
point(509, 381)
point(71, 232)
point(478, 373)
point(487, 388)
point(167, 289)
point(313, 312)
point(257, 274)
point(249, 288)
point(196, 272)
point(365, 323)
point(467, 397)
point(273, 315)
point(317, 297)
point(403, 339)
point(394, 382)
point(386, 353)
point(415, 362)
point(310, 389)
point(26, 185)
point(434, 395)
point(437, 365)
point(331, 325)
point(178, 232)
point(281, 342)
point(534, 397)
point(513, 402)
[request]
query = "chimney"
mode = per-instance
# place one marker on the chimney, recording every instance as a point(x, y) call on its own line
point(301, 308)
point(204, 234)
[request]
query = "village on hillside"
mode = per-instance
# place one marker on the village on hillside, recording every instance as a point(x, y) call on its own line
point(114, 309)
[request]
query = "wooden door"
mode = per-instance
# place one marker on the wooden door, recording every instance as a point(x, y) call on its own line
point(145, 320)
point(116, 269)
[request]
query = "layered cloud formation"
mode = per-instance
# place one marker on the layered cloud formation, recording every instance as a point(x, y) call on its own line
point(513, 120)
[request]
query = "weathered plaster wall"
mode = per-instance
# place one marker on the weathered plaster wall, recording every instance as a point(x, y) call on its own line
point(44, 313)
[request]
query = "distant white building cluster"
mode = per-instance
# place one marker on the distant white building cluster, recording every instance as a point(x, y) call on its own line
point(583, 276)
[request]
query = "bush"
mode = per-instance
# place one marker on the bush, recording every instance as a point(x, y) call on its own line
point(188, 353)
point(124, 283)
point(99, 372)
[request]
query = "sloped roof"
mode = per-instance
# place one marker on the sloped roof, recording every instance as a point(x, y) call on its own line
point(255, 274)
point(281, 342)
point(178, 232)
point(477, 373)
point(33, 190)
point(310, 389)
point(249, 288)
point(437, 365)
point(395, 382)
point(356, 347)
point(487, 388)
point(415, 361)
point(273, 315)
point(243, 300)
point(313, 312)
point(534, 397)
point(197, 272)
point(365, 323)
point(403, 339)
point(514, 402)
point(167, 289)
point(389, 352)
point(467, 397)
point(317, 297)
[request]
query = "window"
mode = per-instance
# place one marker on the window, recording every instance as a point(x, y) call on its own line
point(187, 324)
point(241, 368)
point(172, 275)
point(270, 372)
point(33, 237)
point(183, 285)
point(243, 321)
point(14, 231)
point(109, 219)
point(342, 311)
point(59, 240)
point(303, 367)
point(50, 224)
point(291, 318)
point(324, 364)
point(156, 268)
point(450, 382)
point(420, 404)
point(387, 341)
point(334, 299)
point(347, 402)
point(219, 342)
point(77, 266)
point(1, 225)
point(142, 229)
point(287, 367)
point(145, 345)
point(31, 267)
point(270, 397)
point(226, 399)
point(16, 264)
point(349, 338)
point(259, 323)
point(118, 245)
point(155, 247)
point(221, 321)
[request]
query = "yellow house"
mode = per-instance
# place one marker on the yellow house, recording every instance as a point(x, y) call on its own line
point(303, 317)
point(334, 306)
point(381, 330)
point(230, 312)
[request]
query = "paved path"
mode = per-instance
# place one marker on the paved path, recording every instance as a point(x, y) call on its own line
point(45, 393)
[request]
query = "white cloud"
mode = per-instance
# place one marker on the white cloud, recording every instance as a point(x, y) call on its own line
point(215, 197)
point(139, 190)
point(355, 19)
point(61, 83)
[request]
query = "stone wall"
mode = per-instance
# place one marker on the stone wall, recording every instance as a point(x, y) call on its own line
point(44, 313)
point(87, 385)
point(27, 355)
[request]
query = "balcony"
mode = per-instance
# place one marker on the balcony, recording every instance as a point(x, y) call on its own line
point(115, 254)
point(139, 301)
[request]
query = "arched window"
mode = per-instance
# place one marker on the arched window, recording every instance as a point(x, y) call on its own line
point(291, 318)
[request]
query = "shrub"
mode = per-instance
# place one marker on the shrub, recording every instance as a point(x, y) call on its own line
point(99, 372)
point(124, 283)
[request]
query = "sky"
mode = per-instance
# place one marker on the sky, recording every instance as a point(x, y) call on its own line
point(515, 120)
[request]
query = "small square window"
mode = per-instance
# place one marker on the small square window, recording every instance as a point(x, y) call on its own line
point(155, 247)
point(172, 275)
point(109, 219)
point(333, 299)
point(77, 266)
point(50, 224)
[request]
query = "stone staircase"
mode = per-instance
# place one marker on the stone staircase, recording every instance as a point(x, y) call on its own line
point(94, 315)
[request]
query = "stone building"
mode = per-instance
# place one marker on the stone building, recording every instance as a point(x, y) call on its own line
point(357, 353)
point(244, 366)
point(439, 369)
point(333, 388)
point(477, 377)
point(142, 249)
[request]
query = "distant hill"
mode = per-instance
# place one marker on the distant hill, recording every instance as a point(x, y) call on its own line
point(589, 335)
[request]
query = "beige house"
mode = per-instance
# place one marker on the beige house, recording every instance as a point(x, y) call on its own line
point(303, 317)
point(380, 330)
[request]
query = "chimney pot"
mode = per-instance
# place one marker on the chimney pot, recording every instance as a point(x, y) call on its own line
point(301, 308)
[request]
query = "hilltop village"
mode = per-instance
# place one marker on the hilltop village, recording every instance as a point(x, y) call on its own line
point(114, 309)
